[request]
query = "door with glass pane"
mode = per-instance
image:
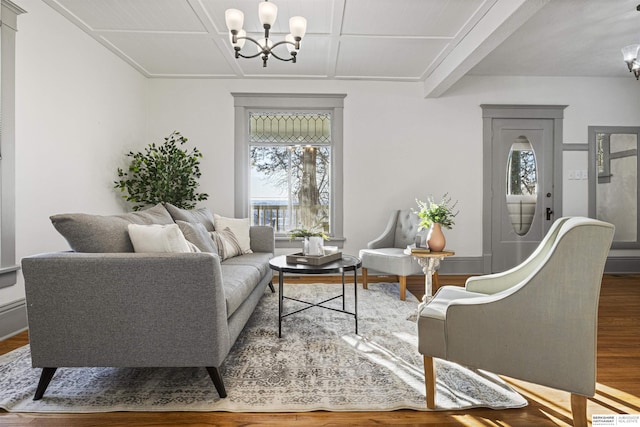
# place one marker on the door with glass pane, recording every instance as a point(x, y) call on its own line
point(522, 188)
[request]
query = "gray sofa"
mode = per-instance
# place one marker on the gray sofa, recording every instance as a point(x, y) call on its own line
point(105, 307)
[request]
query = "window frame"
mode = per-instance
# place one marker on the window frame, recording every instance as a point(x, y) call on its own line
point(8, 28)
point(244, 104)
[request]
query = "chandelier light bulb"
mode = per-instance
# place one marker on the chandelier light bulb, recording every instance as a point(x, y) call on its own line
point(630, 53)
point(268, 12)
point(630, 56)
point(298, 26)
point(234, 19)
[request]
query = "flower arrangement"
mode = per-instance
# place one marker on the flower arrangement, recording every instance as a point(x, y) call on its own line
point(305, 232)
point(441, 213)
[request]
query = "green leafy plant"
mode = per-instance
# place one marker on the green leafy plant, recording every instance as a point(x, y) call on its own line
point(305, 232)
point(163, 173)
point(441, 213)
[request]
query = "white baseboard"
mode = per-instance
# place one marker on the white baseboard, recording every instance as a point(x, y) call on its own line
point(13, 319)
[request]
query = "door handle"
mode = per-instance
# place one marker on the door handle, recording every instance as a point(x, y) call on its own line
point(549, 213)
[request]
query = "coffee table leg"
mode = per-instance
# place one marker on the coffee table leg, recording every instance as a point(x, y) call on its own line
point(355, 297)
point(343, 298)
point(280, 302)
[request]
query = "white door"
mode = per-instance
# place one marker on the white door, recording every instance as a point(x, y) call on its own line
point(521, 188)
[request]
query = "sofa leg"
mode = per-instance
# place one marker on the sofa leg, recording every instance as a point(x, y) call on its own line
point(430, 382)
point(214, 373)
point(273, 290)
point(365, 279)
point(403, 287)
point(45, 379)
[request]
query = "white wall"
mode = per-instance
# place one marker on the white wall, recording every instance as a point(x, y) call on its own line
point(398, 145)
point(78, 109)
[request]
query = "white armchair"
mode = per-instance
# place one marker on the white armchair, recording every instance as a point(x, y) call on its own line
point(536, 322)
point(386, 254)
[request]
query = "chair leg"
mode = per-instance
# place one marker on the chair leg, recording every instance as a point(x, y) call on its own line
point(430, 382)
point(45, 379)
point(365, 278)
point(403, 287)
point(435, 282)
point(579, 410)
point(214, 373)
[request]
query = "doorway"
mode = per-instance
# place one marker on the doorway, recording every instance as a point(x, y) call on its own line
point(522, 180)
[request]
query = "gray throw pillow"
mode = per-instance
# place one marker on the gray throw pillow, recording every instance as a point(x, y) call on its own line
point(193, 216)
point(105, 233)
point(198, 235)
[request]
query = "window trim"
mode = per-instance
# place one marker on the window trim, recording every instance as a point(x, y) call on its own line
point(8, 28)
point(244, 103)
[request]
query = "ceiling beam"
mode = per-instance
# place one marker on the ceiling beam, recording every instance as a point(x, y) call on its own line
point(498, 23)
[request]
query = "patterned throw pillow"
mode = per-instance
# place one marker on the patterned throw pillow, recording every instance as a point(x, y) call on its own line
point(240, 228)
point(227, 243)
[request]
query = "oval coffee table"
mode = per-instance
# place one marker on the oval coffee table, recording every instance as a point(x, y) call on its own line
point(347, 263)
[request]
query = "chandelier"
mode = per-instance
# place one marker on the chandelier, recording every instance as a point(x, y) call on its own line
point(267, 13)
point(630, 54)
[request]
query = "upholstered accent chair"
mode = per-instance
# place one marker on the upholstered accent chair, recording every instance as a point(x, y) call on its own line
point(386, 254)
point(536, 322)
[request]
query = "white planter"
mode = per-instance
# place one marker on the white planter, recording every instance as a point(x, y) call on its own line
point(314, 246)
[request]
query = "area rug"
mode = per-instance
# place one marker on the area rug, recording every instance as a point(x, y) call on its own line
point(318, 364)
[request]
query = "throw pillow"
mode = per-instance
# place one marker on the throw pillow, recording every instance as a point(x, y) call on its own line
point(198, 235)
point(239, 227)
point(158, 238)
point(105, 233)
point(227, 243)
point(193, 216)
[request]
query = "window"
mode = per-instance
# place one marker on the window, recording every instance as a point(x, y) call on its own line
point(289, 162)
point(290, 167)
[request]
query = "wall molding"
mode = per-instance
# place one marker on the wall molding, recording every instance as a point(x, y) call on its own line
point(476, 265)
point(13, 319)
point(622, 265)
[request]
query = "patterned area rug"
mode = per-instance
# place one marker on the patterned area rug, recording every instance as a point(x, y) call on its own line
point(318, 364)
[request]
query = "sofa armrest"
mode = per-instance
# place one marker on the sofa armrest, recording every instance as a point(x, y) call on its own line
point(262, 238)
point(126, 309)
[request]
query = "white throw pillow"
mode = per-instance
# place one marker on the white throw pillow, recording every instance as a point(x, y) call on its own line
point(158, 238)
point(239, 227)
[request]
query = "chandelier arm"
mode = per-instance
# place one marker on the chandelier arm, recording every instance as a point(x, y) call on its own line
point(293, 54)
point(254, 42)
point(248, 56)
point(282, 59)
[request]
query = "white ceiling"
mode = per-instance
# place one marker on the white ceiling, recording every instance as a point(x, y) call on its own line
point(435, 41)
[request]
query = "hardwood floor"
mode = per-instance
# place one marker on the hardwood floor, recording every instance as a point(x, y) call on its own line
point(618, 389)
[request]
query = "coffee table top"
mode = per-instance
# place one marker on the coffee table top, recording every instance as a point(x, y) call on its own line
point(347, 263)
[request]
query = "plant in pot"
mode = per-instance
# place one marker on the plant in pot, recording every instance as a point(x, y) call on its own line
point(313, 240)
point(163, 173)
point(433, 216)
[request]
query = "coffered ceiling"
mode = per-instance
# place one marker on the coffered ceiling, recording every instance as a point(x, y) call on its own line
point(435, 41)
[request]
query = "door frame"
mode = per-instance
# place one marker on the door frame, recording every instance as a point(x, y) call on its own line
point(517, 111)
